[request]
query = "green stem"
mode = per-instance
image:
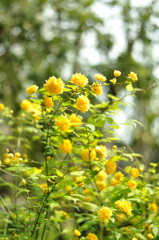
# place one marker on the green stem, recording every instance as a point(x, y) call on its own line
point(6, 208)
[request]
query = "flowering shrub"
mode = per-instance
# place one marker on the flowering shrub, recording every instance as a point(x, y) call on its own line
point(79, 188)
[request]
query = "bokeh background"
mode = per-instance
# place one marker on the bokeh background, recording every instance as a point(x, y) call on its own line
point(41, 38)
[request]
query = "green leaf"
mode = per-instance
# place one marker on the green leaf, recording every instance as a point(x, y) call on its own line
point(91, 127)
point(60, 174)
point(116, 158)
point(70, 198)
point(77, 173)
point(53, 204)
point(129, 87)
point(113, 97)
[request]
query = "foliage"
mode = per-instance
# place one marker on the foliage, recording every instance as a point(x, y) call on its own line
point(82, 186)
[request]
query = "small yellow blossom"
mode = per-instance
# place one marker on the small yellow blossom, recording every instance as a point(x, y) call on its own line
point(96, 87)
point(48, 102)
point(17, 154)
point(150, 236)
point(118, 176)
point(117, 73)
point(154, 207)
point(110, 167)
point(134, 238)
point(124, 206)
point(104, 213)
point(80, 183)
point(75, 121)
point(88, 154)
point(23, 182)
point(63, 123)
point(91, 236)
point(32, 89)
point(102, 151)
point(48, 110)
point(83, 103)
point(100, 77)
point(133, 76)
point(101, 176)
point(101, 185)
point(66, 146)
point(26, 104)
point(132, 184)
point(121, 217)
point(48, 158)
point(77, 233)
point(86, 191)
point(44, 188)
point(7, 161)
point(114, 182)
point(1, 107)
point(135, 172)
point(79, 79)
point(54, 85)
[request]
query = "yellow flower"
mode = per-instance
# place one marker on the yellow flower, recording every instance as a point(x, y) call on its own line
point(117, 73)
point(101, 176)
point(44, 188)
point(110, 167)
point(63, 123)
point(86, 191)
point(119, 176)
point(124, 206)
point(88, 154)
point(77, 233)
point(80, 183)
point(91, 236)
point(101, 185)
point(75, 121)
point(135, 172)
point(100, 77)
point(23, 182)
point(150, 236)
point(134, 238)
point(48, 102)
point(132, 184)
point(96, 87)
point(7, 161)
point(1, 107)
point(66, 147)
point(102, 151)
point(54, 85)
point(26, 104)
point(154, 207)
point(79, 79)
point(121, 217)
point(133, 76)
point(113, 81)
point(83, 103)
point(32, 89)
point(104, 213)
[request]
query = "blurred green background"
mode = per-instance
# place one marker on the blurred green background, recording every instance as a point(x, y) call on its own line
point(41, 38)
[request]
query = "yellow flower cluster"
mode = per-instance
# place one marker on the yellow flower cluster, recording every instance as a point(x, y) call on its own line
point(54, 85)
point(88, 154)
point(102, 151)
point(25, 104)
point(100, 180)
point(91, 236)
point(32, 89)
point(75, 121)
point(66, 146)
point(135, 172)
point(10, 158)
point(79, 79)
point(100, 77)
point(124, 206)
point(96, 87)
point(133, 76)
point(132, 184)
point(154, 207)
point(104, 214)
point(1, 107)
point(48, 102)
point(44, 188)
point(110, 167)
point(63, 123)
point(83, 103)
